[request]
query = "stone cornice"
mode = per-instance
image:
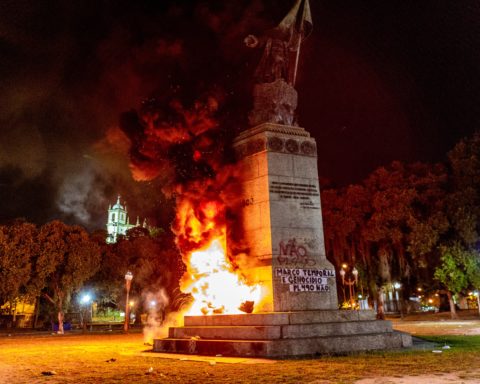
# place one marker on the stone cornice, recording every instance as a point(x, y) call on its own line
point(270, 127)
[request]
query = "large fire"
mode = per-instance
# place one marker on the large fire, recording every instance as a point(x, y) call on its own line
point(216, 284)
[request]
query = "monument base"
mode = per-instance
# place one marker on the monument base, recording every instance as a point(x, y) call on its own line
point(283, 334)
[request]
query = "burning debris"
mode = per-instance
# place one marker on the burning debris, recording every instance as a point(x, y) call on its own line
point(247, 306)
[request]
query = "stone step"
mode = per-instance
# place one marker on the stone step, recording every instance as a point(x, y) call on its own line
point(249, 348)
point(286, 347)
point(227, 332)
point(273, 332)
point(280, 318)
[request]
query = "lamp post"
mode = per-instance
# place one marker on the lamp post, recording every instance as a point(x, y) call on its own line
point(349, 282)
point(87, 300)
point(128, 284)
point(398, 304)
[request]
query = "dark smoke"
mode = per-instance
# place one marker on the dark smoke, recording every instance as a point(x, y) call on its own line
point(378, 82)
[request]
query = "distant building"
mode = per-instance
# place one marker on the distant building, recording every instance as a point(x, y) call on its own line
point(118, 222)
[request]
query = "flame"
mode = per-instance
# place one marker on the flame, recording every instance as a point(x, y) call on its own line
point(213, 285)
point(212, 278)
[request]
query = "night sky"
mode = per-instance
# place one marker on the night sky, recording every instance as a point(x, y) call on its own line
point(379, 81)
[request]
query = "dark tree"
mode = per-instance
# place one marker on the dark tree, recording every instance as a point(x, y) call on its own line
point(67, 258)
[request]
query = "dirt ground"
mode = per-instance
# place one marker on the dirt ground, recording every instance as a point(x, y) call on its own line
point(119, 358)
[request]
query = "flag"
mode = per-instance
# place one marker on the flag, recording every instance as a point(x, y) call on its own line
point(299, 18)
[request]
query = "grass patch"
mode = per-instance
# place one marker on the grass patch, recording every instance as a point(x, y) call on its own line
point(460, 343)
point(84, 359)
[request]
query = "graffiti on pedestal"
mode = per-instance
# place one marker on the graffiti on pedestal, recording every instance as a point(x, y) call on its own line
point(293, 254)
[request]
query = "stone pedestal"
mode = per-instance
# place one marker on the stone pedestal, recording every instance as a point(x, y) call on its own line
point(279, 223)
point(281, 218)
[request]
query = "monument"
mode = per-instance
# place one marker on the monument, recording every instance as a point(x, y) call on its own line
point(281, 225)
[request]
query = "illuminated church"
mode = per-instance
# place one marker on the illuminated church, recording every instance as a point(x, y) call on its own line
point(118, 222)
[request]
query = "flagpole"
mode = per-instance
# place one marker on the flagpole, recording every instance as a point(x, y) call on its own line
point(297, 57)
point(299, 41)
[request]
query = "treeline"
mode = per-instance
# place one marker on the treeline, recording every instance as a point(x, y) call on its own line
point(417, 224)
point(52, 263)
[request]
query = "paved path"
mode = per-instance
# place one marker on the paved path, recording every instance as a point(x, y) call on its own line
point(438, 327)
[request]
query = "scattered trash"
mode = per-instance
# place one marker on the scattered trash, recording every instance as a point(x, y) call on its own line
point(195, 338)
point(149, 371)
point(49, 373)
point(110, 360)
point(9, 334)
point(446, 347)
point(437, 351)
point(213, 362)
point(219, 355)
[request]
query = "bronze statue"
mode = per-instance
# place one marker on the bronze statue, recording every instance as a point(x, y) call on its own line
point(274, 95)
point(274, 63)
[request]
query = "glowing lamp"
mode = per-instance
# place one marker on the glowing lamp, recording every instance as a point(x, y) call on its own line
point(342, 273)
point(355, 274)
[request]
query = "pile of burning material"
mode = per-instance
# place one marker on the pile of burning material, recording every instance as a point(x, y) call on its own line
point(215, 286)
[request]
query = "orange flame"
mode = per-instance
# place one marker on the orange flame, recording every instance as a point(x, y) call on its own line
point(215, 283)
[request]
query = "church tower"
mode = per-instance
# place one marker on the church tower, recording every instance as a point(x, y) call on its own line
point(118, 222)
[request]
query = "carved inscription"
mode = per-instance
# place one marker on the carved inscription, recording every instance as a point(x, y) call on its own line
point(301, 192)
point(247, 202)
point(305, 280)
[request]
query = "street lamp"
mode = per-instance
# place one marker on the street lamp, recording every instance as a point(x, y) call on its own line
point(349, 282)
point(398, 304)
point(128, 284)
point(86, 299)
